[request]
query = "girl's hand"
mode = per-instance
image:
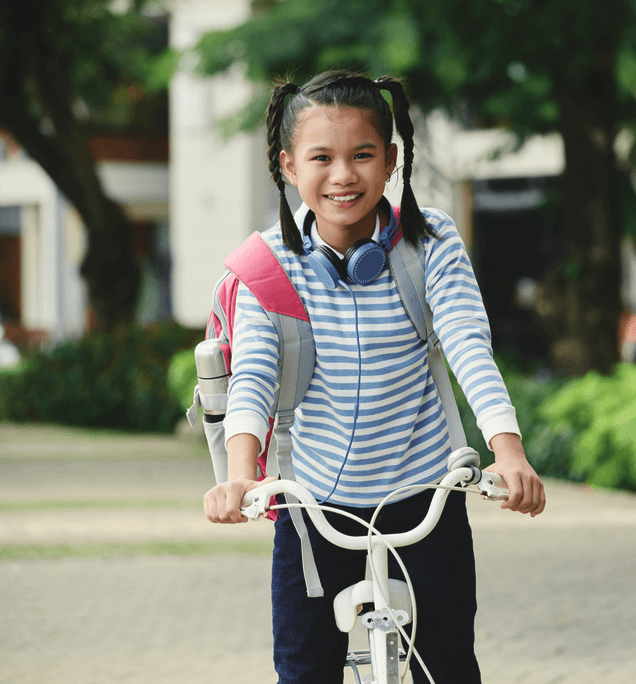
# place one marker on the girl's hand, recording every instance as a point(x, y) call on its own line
point(527, 494)
point(222, 504)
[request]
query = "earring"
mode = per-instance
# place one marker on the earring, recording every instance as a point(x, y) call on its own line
point(388, 176)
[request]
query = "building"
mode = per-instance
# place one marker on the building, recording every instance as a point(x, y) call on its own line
point(214, 192)
point(42, 296)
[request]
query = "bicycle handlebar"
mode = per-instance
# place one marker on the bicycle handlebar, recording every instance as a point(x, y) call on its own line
point(256, 501)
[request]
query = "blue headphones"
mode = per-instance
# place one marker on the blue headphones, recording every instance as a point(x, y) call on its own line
point(362, 263)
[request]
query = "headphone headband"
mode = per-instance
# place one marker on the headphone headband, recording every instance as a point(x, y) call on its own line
point(363, 261)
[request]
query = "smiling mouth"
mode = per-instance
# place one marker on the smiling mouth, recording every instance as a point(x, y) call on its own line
point(345, 198)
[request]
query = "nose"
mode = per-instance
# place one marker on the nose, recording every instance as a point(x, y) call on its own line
point(343, 173)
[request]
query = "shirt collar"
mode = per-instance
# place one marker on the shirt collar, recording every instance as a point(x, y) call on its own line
point(316, 240)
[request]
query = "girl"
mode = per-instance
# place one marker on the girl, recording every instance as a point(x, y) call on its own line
point(371, 420)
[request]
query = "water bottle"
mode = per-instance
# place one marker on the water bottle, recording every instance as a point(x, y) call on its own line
point(213, 377)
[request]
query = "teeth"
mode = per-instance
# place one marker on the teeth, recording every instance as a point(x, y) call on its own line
point(345, 198)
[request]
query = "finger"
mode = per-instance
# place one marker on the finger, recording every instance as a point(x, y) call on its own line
point(540, 501)
point(234, 510)
point(216, 506)
point(210, 507)
point(533, 499)
point(233, 501)
point(527, 503)
point(515, 496)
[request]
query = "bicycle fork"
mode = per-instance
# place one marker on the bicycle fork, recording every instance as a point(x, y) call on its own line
point(382, 629)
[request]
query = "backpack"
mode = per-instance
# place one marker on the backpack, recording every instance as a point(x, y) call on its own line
point(256, 266)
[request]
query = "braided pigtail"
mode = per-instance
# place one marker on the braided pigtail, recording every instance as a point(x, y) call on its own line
point(414, 225)
point(275, 111)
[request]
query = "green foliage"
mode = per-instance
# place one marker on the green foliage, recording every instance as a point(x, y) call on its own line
point(104, 380)
point(583, 430)
point(102, 47)
point(547, 447)
point(602, 411)
point(501, 56)
point(101, 56)
point(182, 377)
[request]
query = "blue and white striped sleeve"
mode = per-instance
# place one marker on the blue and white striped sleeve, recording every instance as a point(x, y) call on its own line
point(254, 378)
point(461, 323)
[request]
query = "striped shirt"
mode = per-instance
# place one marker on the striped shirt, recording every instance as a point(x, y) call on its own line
point(371, 362)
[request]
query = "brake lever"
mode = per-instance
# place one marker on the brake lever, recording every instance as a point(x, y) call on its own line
point(257, 508)
point(492, 487)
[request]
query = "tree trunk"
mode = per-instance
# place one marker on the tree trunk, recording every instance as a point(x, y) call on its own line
point(579, 300)
point(34, 79)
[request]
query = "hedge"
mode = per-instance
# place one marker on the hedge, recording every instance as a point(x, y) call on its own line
point(582, 430)
point(114, 380)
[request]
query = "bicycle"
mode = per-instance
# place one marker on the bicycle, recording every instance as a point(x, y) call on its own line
point(393, 600)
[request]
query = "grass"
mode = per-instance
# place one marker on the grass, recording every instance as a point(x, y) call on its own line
point(15, 552)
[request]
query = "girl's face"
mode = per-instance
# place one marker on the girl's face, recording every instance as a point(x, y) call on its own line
point(340, 165)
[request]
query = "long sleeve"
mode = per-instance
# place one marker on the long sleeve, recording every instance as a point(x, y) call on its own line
point(254, 369)
point(461, 323)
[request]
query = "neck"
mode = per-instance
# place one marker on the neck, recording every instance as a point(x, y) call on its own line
point(342, 238)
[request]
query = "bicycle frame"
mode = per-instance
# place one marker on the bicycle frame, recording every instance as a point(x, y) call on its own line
point(384, 622)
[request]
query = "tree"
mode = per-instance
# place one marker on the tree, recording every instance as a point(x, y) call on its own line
point(531, 66)
point(61, 62)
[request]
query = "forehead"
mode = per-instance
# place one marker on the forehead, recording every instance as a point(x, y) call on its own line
point(334, 126)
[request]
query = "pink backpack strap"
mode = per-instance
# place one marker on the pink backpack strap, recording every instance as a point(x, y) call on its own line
point(398, 233)
point(225, 299)
point(255, 265)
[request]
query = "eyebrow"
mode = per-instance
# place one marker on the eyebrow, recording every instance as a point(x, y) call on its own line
point(363, 146)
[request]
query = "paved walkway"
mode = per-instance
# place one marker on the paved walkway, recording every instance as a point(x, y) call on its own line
point(556, 594)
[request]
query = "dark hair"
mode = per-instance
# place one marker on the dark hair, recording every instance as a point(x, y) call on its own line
point(346, 89)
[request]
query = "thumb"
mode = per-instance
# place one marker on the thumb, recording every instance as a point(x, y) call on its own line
point(267, 480)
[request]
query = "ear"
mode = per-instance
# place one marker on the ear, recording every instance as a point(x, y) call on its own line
point(391, 158)
point(287, 167)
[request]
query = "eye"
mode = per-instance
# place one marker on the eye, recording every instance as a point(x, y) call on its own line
point(363, 155)
point(321, 158)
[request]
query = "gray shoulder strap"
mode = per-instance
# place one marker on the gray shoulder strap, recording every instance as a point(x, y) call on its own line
point(407, 267)
point(296, 359)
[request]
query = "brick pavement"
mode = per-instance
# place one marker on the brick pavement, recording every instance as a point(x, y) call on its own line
point(556, 594)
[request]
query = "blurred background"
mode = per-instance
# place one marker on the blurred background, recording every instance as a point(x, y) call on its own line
point(133, 161)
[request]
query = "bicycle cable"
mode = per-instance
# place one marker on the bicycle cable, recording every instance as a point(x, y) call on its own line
point(381, 537)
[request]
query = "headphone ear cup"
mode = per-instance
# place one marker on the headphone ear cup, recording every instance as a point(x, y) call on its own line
point(327, 266)
point(364, 261)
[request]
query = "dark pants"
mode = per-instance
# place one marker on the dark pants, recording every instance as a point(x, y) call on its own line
point(309, 648)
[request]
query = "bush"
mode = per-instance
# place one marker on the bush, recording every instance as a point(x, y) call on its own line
point(601, 411)
point(182, 377)
point(104, 380)
point(547, 447)
point(582, 430)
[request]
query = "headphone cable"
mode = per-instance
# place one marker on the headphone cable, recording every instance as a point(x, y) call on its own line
point(357, 404)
